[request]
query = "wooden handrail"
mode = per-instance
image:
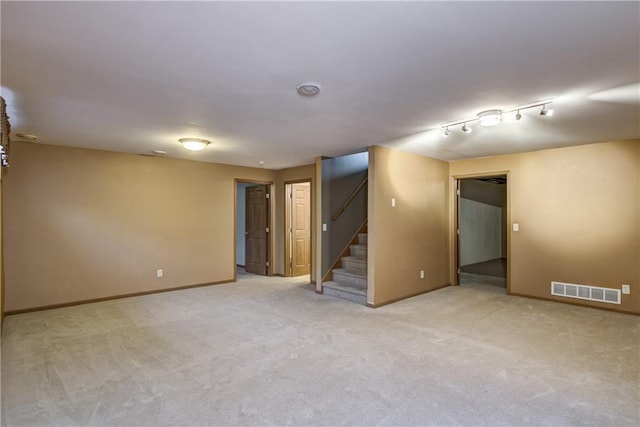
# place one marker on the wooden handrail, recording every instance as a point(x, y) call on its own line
point(338, 261)
point(351, 197)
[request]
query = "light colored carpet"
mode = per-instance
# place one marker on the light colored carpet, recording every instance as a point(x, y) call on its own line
point(494, 267)
point(267, 351)
point(474, 279)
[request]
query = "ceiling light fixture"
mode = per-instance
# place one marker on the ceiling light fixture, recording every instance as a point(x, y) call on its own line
point(308, 89)
point(494, 117)
point(490, 117)
point(26, 136)
point(194, 144)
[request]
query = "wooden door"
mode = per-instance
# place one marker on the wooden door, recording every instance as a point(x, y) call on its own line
point(300, 228)
point(256, 231)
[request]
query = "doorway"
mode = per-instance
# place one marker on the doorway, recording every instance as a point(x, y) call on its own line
point(298, 228)
point(482, 230)
point(252, 224)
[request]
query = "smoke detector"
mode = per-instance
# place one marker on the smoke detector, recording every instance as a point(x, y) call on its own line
point(308, 89)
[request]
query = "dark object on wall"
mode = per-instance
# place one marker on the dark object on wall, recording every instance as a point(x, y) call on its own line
point(5, 127)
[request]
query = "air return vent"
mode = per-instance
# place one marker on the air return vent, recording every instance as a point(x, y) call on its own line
point(591, 293)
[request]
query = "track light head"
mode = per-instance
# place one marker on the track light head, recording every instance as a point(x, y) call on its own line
point(446, 131)
point(465, 128)
point(518, 115)
point(546, 111)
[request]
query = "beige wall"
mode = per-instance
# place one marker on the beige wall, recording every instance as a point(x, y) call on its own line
point(317, 209)
point(578, 212)
point(411, 236)
point(83, 224)
point(1, 258)
point(283, 176)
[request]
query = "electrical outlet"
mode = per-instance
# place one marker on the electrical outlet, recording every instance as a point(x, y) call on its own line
point(422, 274)
point(626, 289)
point(393, 202)
point(159, 273)
point(324, 227)
point(516, 227)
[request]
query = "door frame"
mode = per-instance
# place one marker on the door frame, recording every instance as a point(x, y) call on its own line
point(287, 224)
point(271, 222)
point(455, 221)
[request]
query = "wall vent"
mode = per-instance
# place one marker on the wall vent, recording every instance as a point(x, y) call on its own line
point(591, 293)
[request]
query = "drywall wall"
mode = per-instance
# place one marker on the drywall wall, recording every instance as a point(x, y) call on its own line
point(411, 236)
point(316, 240)
point(83, 224)
point(484, 192)
point(241, 221)
point(480, 232)
point(577, 210)
point(300, 173)
point(340, 177)
point(491, 194)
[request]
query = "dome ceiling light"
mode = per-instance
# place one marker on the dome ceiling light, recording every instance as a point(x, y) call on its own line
point(493, 117)
point(194, 144)
point(26, 136)
point(490, 117)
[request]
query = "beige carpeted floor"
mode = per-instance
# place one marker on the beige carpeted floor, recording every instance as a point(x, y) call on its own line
point(495, 268)
point(268, 351)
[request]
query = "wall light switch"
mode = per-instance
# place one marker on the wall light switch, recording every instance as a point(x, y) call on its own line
point(626, 289)
point(159, 273)
point(422, 274)
point(393, 202)
point(516, 226)
point(324, 227)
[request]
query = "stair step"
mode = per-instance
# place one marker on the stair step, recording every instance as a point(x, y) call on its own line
point(362, 238)
point(352, 293)
point(358, 251)
point(343, 276)
point(354, 265)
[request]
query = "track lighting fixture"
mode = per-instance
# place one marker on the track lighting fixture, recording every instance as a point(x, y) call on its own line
point(494, 117)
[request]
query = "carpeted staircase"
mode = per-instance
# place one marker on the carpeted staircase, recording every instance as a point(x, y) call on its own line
point(350, 281)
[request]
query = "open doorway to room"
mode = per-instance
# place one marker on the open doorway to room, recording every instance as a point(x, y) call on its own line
point(252, 219)
point(482, 230)
point(298, 228)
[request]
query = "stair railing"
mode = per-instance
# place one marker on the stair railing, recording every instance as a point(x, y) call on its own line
point(337, 263)
point(350, 199)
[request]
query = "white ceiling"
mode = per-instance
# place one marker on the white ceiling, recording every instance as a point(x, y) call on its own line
point(136, 76)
